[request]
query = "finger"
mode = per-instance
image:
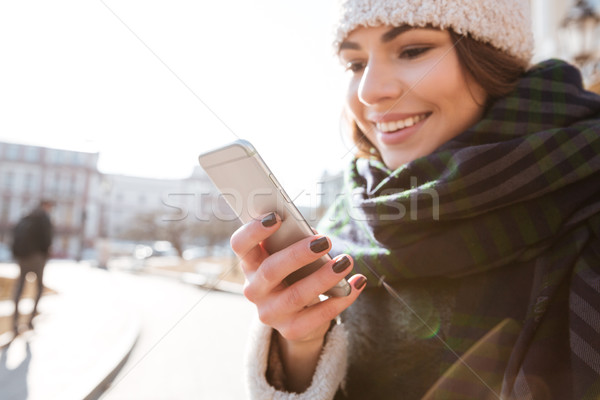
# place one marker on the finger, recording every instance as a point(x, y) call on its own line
point(245, 241)
point(304, 292)
point(275, 268)
point(301, 327)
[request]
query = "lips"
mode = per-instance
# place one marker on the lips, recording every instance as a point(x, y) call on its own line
point(393, 126)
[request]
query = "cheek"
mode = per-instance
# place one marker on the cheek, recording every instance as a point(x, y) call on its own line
point(447, 90)
point(353, 103)
point(355, 110)
point(439, 86)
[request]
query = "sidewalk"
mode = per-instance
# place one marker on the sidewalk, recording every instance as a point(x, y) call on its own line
point(82, 336)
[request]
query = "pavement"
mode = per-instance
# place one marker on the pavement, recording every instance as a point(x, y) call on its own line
point(192, 342)
point(81, 338)
point(82, 335)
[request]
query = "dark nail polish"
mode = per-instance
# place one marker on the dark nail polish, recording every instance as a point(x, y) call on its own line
point(269, 220)
point(360, 282)
point(319, 245)
point(341, 265)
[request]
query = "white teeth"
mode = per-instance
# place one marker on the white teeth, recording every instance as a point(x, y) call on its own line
point(395, 125)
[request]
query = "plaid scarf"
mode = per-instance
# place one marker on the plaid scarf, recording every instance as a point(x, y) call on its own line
point(520, 186)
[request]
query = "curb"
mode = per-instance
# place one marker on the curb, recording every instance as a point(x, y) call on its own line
point(103, 386)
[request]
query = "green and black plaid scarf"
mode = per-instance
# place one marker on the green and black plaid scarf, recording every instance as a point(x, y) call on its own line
point(520, 186)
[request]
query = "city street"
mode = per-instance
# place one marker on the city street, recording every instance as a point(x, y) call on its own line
point(191, 343)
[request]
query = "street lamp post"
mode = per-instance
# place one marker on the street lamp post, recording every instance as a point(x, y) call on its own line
point(580, 39)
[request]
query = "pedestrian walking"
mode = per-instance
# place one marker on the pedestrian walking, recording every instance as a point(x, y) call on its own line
point(32, 238)
point(472, 207)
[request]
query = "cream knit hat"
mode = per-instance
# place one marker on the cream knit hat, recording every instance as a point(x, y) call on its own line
point(505, 24)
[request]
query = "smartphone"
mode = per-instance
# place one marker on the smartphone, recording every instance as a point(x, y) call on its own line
point(251, 190)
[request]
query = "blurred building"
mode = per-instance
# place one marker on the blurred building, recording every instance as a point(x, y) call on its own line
point(546, 18)
point(88, 204)
point(579, 44)
point(30, 173)
point(122, 199)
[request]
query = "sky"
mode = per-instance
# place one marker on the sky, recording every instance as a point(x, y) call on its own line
point(152, 84)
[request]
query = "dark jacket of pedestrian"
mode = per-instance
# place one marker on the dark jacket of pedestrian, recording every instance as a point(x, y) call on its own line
point(32, 234)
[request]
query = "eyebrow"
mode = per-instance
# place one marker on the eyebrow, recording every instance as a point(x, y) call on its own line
point(394, 32)
point(385, 38)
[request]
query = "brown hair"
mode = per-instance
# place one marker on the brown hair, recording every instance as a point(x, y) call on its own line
point(494, 70)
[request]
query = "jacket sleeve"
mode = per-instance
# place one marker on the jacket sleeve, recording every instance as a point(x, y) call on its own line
point(328, 378)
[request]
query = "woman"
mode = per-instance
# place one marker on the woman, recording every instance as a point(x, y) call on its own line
point(472, 208)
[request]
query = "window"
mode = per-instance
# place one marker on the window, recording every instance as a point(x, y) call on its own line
point(12, 151)
point(32, 154)
point(9, 179)
point(53, 156)
point(28, 183)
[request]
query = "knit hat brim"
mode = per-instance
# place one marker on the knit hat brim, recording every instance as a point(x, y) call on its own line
point(505, 24)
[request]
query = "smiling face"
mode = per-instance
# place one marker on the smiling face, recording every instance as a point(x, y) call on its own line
point(407, 91)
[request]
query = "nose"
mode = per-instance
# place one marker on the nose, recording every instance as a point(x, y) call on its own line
point(379, 82)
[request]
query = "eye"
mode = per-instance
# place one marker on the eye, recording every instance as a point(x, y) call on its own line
point(413, 52)
point(354, 66)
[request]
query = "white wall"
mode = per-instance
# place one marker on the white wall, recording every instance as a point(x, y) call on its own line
point(546, 18)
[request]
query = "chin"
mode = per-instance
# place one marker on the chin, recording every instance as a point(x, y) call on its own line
point(394, 163)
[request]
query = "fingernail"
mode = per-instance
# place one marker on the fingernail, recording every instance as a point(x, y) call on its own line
point(360, 282)
point(341, 265)
point(269, 220)
point(319, 245)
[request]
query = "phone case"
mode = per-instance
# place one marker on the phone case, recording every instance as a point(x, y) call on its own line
point(251, 190)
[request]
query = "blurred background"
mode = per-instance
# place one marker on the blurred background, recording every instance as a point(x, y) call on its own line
point(105, 106)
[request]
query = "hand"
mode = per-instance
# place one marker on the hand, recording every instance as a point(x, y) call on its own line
point(295, 311)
